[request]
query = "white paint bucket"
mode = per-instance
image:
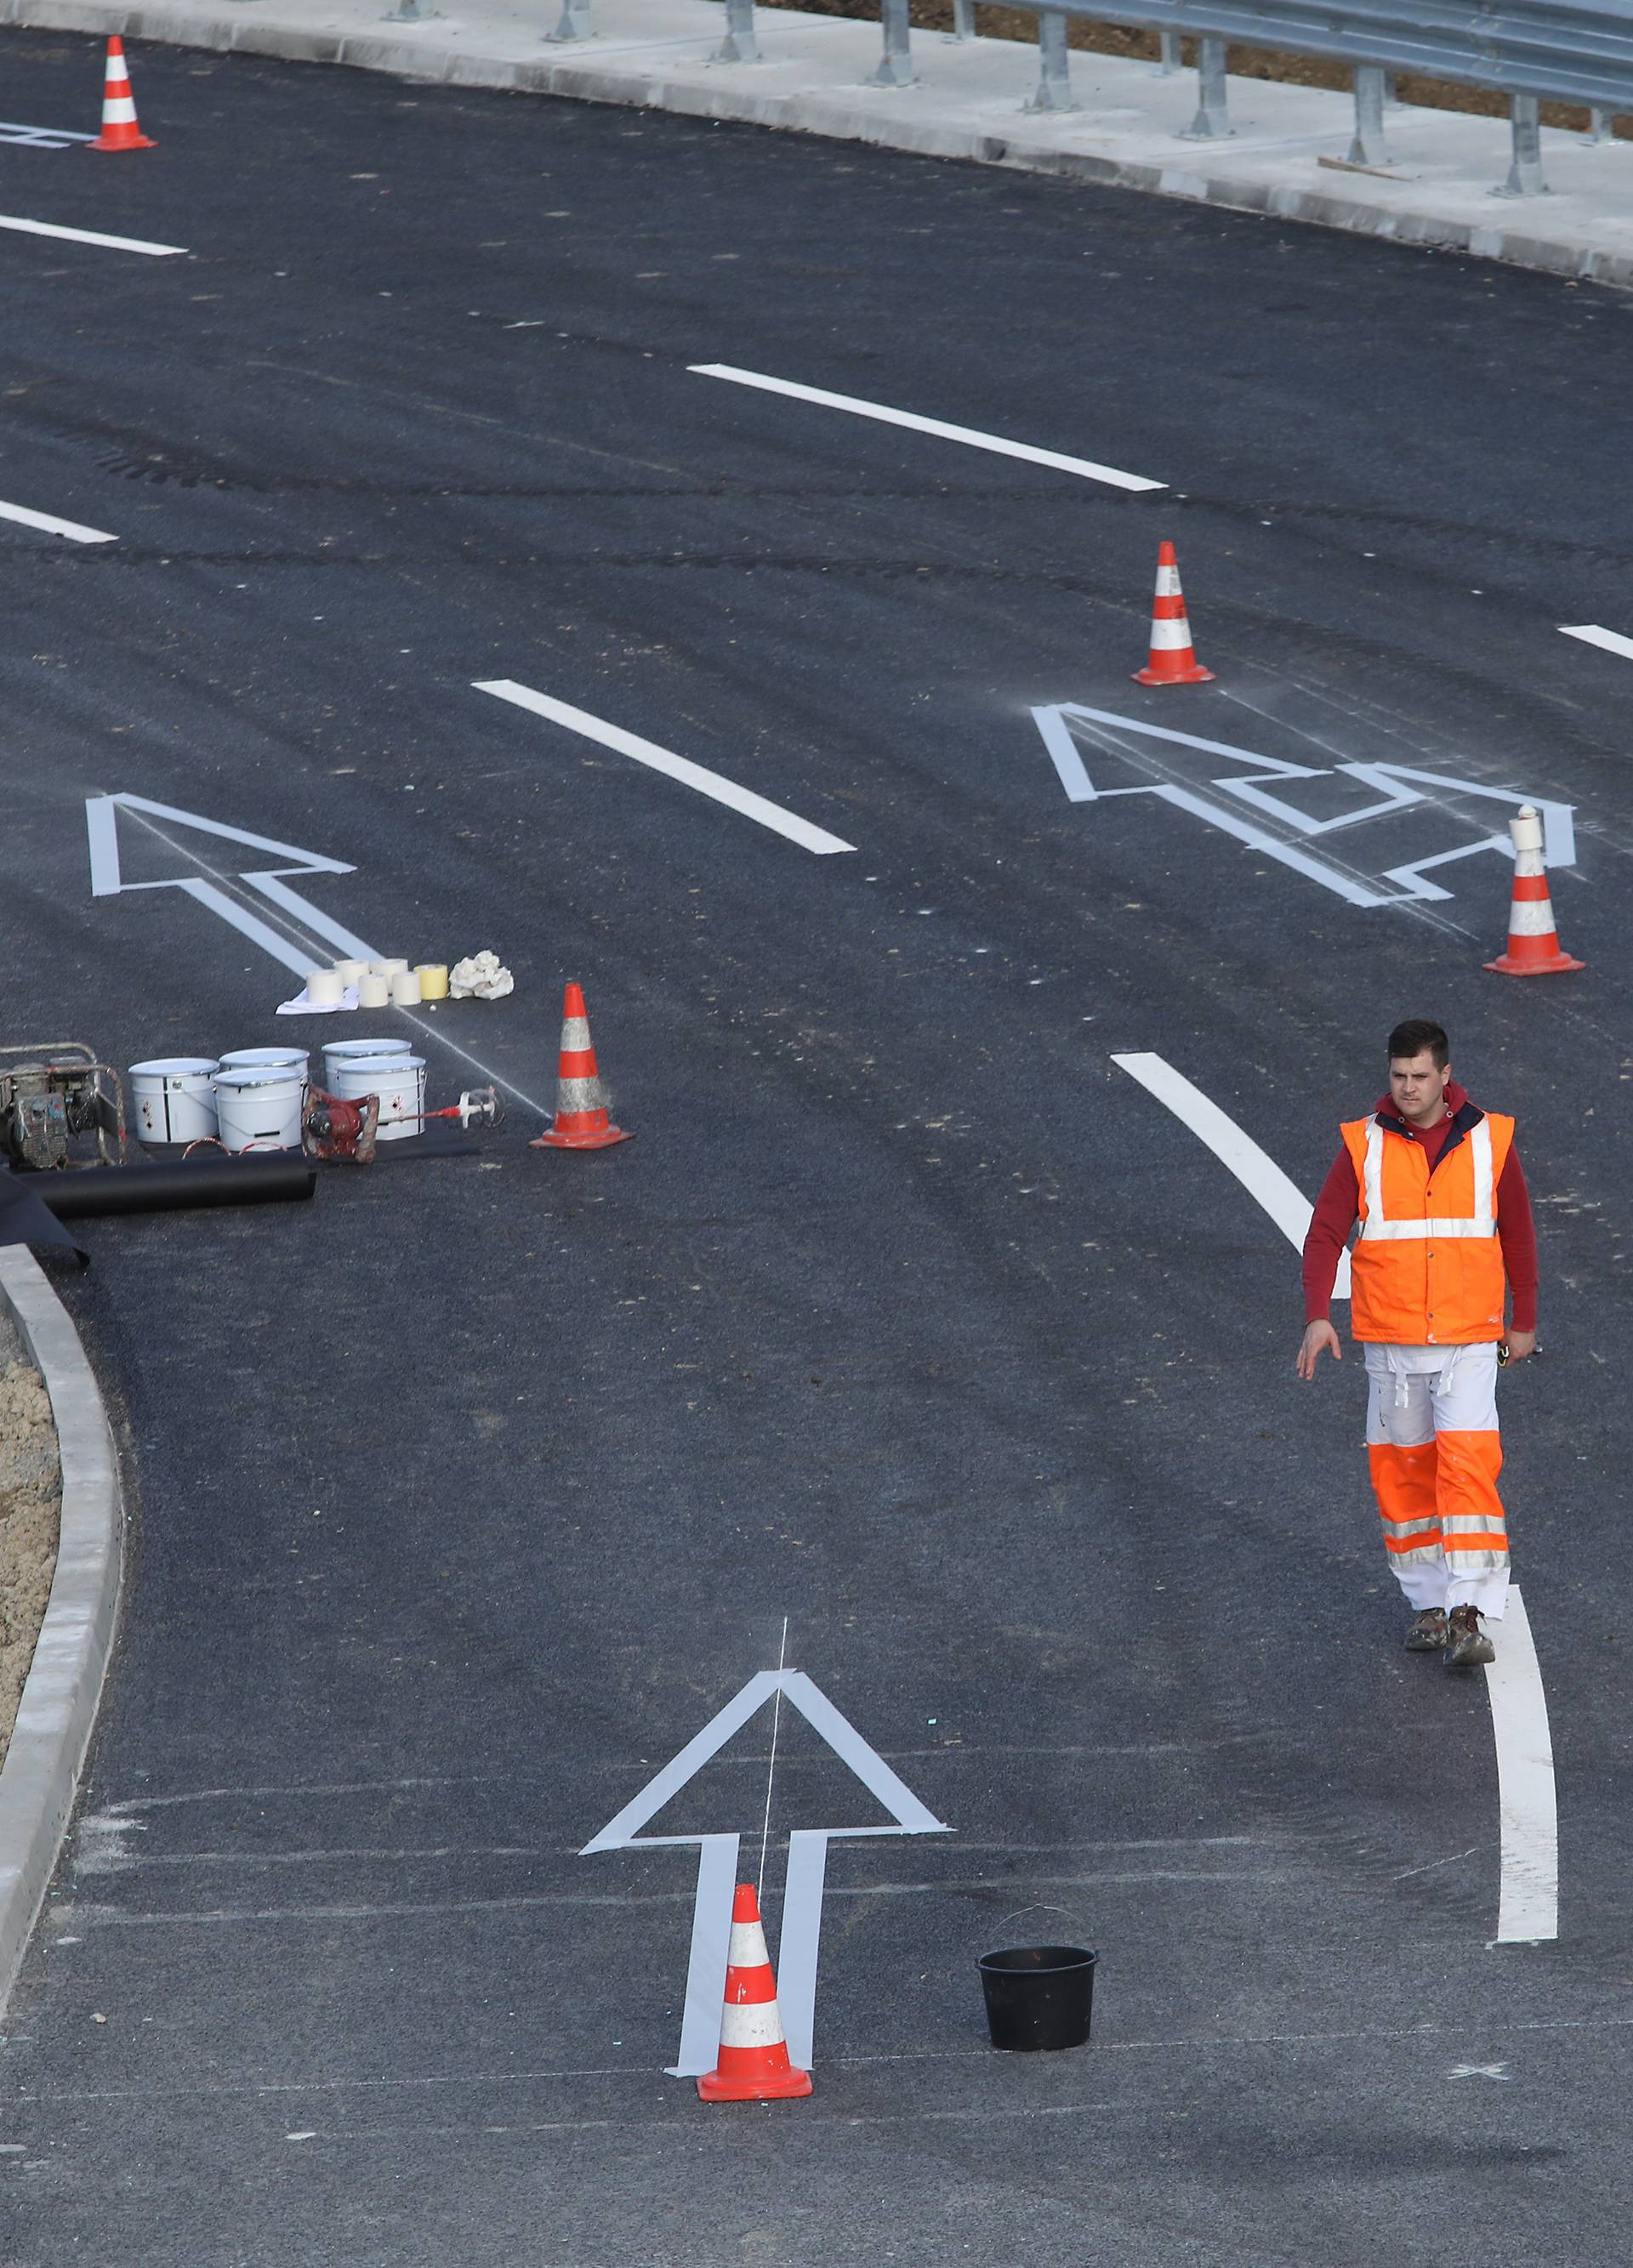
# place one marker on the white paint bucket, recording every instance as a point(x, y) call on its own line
point(172, 1099)
point(258, 1106)
point(400, 1083)
point(295, 1059)
point(338, 1053)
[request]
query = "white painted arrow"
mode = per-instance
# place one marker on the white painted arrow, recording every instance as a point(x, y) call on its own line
point(717, 1863)
point(1398, 789)
point(107, 881)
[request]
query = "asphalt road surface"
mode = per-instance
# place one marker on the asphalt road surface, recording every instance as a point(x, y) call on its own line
point(913, 1343)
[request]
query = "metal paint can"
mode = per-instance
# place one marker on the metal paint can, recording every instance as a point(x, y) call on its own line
point(267, 1059)
point(338, 1053)
point(258, 1106)
point(399, 1080)
point(172, 1099)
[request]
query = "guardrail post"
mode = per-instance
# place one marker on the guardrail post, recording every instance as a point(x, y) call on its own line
point(739, 45)
point(1601, 125)
point(1054, 66)
point(1525, 175)
point(575, 21)
point(1368, 147)
point(1169, 58)
point(895, 63)
point(1212, 122)
point(964, 21)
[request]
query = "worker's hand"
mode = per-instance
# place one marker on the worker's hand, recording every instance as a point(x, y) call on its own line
point(1520, 1344)
point(1318, 1335)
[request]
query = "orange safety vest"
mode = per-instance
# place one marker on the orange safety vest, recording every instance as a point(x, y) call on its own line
point(1427, 1267)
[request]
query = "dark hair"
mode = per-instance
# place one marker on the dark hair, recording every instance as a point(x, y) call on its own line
point(1411, 1038)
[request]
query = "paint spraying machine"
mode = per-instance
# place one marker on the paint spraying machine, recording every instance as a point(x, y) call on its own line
point(346, 1131)
point(58, 1095)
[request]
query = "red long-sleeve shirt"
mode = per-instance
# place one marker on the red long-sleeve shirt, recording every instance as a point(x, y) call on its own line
point(1338, 1208)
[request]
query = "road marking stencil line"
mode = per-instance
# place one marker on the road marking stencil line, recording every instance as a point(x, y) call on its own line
point(40, 138)
point(1591, 634)
point(91, 236)
point(50, 524)
point(713, 785)
point(968, 435)
point(1528, 1905)
point(1260, 1174)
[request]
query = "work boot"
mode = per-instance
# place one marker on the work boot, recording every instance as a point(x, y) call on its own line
point(1428, 1633)
point(1465, 1642)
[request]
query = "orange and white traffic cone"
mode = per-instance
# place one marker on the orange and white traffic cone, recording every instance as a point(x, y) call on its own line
point(120, 130)
point(583, 1121)
point(1533, 947)
point(754, 2065)
point(1174, 658)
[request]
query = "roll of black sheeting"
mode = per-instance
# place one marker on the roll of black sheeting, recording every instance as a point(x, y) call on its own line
point(175, 1186)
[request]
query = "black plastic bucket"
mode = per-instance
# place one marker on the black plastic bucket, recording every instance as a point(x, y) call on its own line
point(1039, 1996)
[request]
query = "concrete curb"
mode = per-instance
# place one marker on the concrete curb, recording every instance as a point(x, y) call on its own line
point(64, 1685)
point(621, 73)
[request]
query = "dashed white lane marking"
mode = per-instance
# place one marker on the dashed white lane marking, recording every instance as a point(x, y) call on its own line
point(1591, 634)
point(1083, 466)
point(91, 236)
point(662, 760)
point(1260, 1175)
point(50, 524)
point(1528, 1905)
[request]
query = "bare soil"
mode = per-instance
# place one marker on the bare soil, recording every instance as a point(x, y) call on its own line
point(1243, 63)
point(30, 1500)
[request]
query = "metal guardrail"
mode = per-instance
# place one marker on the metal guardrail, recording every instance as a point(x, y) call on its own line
point(1566, 50)
point(1577, 51)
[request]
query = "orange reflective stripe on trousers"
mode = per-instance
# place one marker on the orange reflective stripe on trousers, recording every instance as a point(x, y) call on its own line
point(1437, 1483)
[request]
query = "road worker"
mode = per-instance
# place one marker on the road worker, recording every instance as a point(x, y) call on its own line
point(1437, 1188)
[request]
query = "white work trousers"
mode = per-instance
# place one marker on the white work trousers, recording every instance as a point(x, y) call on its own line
point(1433, 1445)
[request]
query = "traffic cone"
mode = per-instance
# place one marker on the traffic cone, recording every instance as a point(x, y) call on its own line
point(120, 130)
point(754, 2065)
point(582, 1117)
point(1174, 658)
point(1533, 948)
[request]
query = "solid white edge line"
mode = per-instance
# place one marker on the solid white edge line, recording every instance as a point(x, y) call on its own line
point(91, 236)
point(1591, 634)
point(1260, 1174)
point(1085, 467)
point(49, 526)
point(662, 760)
point(1528, 1902)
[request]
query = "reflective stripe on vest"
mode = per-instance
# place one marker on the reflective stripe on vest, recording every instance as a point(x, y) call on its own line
point(1422, 1278)
point(1482, 1222)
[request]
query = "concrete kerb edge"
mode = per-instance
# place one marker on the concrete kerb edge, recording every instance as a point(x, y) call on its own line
point(579, 78)
point(64, 1689)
